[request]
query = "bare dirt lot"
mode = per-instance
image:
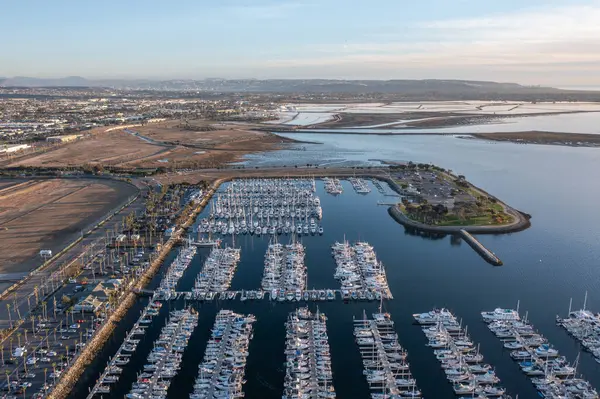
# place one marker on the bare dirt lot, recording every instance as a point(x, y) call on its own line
point(167, 144)
point(49, 214)
point(112, 148)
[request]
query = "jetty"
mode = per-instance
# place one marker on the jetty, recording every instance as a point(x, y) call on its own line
point(485, 253)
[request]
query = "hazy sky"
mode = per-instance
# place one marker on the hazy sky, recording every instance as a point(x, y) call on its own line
point(527, 41)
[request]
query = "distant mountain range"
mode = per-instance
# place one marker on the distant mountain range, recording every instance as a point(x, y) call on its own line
point(436, 88)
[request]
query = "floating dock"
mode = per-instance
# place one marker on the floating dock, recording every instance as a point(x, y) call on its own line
point(485, 253)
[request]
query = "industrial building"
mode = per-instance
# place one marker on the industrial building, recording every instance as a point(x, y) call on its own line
point(63, 139)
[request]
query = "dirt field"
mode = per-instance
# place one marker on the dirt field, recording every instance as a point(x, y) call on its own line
point(159, 145)
point(49, 214)
point(111, 148)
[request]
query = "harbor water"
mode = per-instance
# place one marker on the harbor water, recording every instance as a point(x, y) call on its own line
point(544, 267)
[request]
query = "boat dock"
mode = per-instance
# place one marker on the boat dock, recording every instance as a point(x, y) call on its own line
point(308, 358)
point(458, 356)
point(551, 374)
point(217, 272)
point(584, 326)
point(110, 375)
point(480, 249)
point(360, 274)
point(164, 360)
point(251, 295)
point(384, 360)
point(175, 271)
point(221, 373)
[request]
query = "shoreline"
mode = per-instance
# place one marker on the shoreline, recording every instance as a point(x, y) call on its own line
point(521, 220)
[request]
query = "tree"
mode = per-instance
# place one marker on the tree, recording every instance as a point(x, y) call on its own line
point(9, 317)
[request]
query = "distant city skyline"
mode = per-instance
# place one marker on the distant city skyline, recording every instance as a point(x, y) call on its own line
point(537, 42)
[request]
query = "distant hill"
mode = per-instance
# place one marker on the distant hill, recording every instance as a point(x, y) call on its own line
point(69, 81)
point(435, 89)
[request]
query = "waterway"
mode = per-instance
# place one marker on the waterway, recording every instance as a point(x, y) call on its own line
point(544, 266)
point(587, 122)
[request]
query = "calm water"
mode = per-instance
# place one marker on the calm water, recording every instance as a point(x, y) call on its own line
point(557, 258)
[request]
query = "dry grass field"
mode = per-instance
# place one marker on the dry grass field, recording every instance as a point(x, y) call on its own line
point(49, 214)
point(166, 144)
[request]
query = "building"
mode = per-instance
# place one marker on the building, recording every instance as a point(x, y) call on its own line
point(98, 298)
point(63, 139)
point(5, 149)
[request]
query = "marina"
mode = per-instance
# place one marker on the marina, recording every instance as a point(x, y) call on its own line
point(550, 373)
point(221, 373)
point(265, 207)
point(285, 272)
point(417, 282)
point(308, 360)
point(359, 185)
point(384, 360)
point(175, 272)
point(459, 358)
point(333, 186)
point(121, 359)
point(217, 273)
point(359, 272)
point(584, 326)
point(164, 360)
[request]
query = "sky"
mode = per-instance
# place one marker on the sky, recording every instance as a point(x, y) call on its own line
point(546, 42)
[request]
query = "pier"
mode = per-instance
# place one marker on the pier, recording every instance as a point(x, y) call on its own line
point(308, 365)
point(485, 253)
point(121, 358)
point(221, 373)
point(384, 360)
point(251, 295)
point(458, 356)
point(536, 357)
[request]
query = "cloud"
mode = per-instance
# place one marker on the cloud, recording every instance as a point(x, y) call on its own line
point(551, 39)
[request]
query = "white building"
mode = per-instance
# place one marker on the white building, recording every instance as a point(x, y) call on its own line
point(13, 148)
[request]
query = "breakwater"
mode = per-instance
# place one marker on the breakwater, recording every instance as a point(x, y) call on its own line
point(480, 249)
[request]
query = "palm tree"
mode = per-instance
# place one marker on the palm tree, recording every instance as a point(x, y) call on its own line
point(9, 318)
point(45, 373)
point(17, 307)
point(2, 349)
point(19, 337)
point(54, 371)
point(7, 379)
point(25, 331)
point(11, 339)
